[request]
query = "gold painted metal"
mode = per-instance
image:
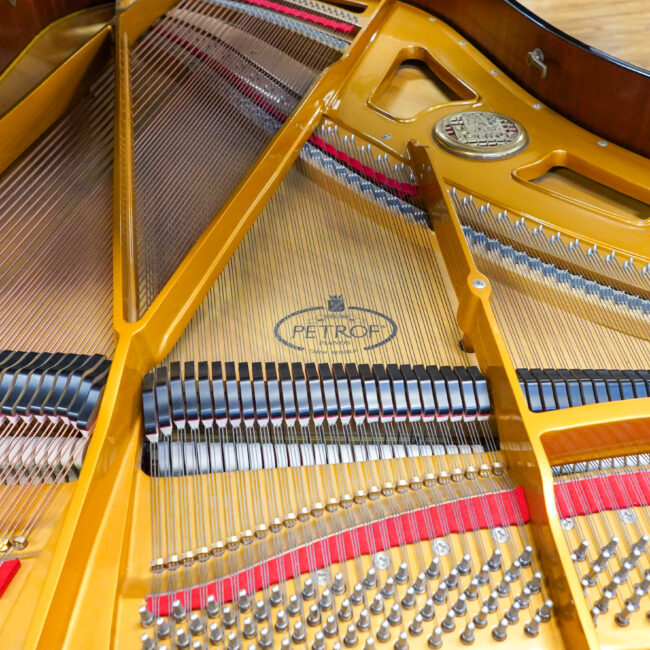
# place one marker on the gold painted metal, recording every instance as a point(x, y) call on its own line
point(80, 589)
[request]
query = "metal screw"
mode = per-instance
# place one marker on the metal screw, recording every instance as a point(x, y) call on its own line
point(479, 284)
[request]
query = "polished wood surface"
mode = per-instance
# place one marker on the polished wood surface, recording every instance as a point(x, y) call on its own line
point(618, 28)
point(595, 91)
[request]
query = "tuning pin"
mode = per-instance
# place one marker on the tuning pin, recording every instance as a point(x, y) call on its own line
point(402, 575)
point(420, 584)
point(330, 628)
point(281, 621)
point(308, 591)
point(182, 640)
point(526, 557)
point(228, 617)
point(645, 583)
point(610, 547)
point(395, 615)
point(532, 627)
point(370, 581)
point(244, 601)
point(471, 593)
point(408, 602)
point(402, 642)
point(524, 598)
point(415, 628)
point(357, 594)
point(249, 628)
point(147, 642)
point(623, 617)
point(460, 606)
point(383, 634)
point(350, 639)
point(299, 633)
point(266, 637)
point(435, 640)
point(146, 617)
point(535, 583)
point(369, 644)
point(503, 588)
point(452, 579)
point(364, 620)
point(261, 610)
point(163, 628)
point(326, 600)
point(441, 593)
point(388, 590)
point(338, 586)
point(216, 634)
point(581, 551)
point(196, 625)
point(377, 605)
point(595, 613)
point(428, 611)
point(642, 544)
point(178, 611)
point(495, 561)
point(319, 642)
point(480, 619)
point(345, 613)
point(483, 575)
point(513, 572)
point(500, 631)
point(544, 611)
point(211, 607)
point(465, 565)
point(512, 614)
point(467, 635)
point(313, 618)
point(634, 601)
point(448, 623)
point(433, 571)
point(293, 606)
point(491, 602)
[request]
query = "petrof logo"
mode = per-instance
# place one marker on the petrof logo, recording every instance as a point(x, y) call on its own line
point(335, 328)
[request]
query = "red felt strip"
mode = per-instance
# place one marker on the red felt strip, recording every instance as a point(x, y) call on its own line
point(475, 513)
point(304, 15)
point(601, 493)
point(8, 570)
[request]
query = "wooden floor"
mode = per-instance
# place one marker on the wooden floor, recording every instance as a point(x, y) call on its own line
point(618, 27)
